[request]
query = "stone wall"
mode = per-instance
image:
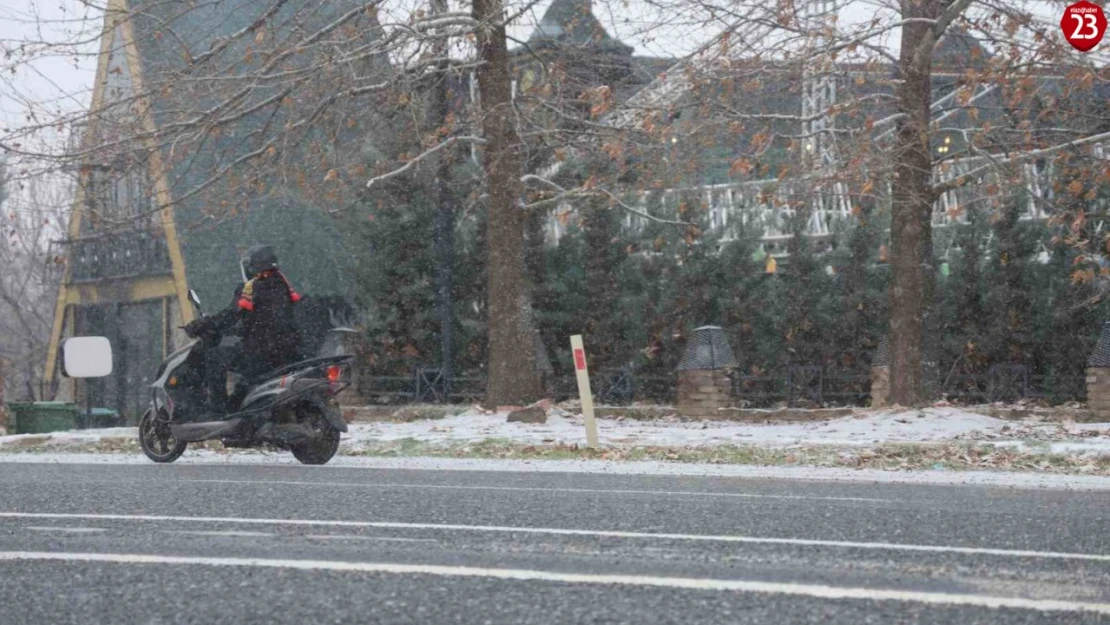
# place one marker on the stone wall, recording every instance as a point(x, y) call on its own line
point(880, 386)
point(1098, 392)
point(702, 393)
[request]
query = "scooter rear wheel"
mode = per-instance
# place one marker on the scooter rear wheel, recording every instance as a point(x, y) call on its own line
point(325, 439)
point(157, 441)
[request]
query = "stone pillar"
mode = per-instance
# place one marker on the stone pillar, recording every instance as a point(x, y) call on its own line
point(1098, 377)
point(880, 386)
point(703, 383)
point(702, 393)
point(1098, 392)
point(880, 375)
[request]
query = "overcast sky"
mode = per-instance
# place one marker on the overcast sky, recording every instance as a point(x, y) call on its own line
point(61, 80)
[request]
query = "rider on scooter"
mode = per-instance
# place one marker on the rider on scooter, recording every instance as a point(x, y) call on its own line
point(270, 338)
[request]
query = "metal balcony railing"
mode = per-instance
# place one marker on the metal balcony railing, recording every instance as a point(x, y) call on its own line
point(116, 255)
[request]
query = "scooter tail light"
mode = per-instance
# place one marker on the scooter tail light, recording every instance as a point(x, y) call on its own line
point(333, 373)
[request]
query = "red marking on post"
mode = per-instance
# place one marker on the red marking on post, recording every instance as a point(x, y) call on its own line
point(1084, 25)
point(579, 360)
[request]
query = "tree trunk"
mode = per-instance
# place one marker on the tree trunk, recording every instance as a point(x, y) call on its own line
point(445, 253)
point(445, 220)
point(513, 376)
point(601, 279)
point(911, 234)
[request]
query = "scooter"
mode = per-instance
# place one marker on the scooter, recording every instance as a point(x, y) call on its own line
point(294, 408)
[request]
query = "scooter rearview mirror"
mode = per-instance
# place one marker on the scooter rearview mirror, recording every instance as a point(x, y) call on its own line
point(87, 357)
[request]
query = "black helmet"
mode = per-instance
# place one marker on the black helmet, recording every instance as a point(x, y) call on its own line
point(260, 258)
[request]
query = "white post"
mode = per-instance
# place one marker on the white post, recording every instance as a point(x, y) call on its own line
point(584, 391)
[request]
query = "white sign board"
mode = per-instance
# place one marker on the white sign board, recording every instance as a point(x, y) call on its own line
point(584, 391)
point(87, 357)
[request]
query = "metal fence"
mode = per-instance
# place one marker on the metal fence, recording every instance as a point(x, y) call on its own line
point(797, 386)
point(804, 385)
point(1009, 382)
point(822, 386)
point(424, 386)
point(614, 387)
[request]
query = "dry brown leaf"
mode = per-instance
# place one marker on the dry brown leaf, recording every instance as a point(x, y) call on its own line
point(742, 165)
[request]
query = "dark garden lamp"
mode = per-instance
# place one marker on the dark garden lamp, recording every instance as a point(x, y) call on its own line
point(704, 387)
point(708, 350)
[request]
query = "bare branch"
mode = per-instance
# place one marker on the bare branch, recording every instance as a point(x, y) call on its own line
point(221, 44)
point(1023, 157)
point(582, 192)
point(423, 155)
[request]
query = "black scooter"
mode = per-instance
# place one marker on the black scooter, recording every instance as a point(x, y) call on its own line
point(294, 408)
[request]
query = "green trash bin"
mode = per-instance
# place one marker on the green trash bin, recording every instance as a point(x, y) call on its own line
point(103, 418)
point(43, 417)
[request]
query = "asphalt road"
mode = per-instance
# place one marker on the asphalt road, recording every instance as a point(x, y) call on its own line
point(146, 544)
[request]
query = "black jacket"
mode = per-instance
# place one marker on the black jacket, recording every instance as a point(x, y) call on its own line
point(264, 307)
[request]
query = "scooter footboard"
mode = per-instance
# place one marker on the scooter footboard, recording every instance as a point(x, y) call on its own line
point(208, 430)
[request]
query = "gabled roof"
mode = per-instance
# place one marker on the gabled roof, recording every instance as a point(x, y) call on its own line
point(573, 23)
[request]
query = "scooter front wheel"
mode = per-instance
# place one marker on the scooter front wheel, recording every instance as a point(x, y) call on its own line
point(156, 439)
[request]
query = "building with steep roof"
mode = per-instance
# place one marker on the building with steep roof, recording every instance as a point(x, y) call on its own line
point(571, 51)
point(153, 218)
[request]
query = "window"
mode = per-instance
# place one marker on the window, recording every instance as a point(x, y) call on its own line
point(121, 194)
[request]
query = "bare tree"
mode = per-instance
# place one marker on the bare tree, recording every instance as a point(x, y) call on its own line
point(815, 104)
point(447, 211)
point(912, 104)
point(297, 100)
point(34, 214)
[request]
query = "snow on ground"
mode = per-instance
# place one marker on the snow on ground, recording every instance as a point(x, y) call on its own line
point(862, 429)
point(67, 438)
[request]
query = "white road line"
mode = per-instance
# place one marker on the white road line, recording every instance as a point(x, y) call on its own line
point(756, 540)
point(388, 539)
point(684, 583)
point(538, 489)
point(1007, 479)
point(64, 530)
point(232, 534)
